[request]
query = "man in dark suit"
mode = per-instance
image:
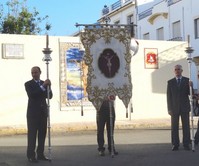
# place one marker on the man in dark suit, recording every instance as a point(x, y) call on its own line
point(37, 113)
point(178, 90)
point(103, 118)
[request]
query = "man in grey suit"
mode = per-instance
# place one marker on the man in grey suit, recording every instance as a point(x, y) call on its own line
point(178, 89)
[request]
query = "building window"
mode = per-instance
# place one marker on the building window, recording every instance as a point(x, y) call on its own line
point(196, 28)
point(130, 19)
point(146, 36)
point(176, 30)
point(160, 33)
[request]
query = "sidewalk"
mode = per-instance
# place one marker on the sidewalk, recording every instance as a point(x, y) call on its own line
point(90, 126)
point(84, 126)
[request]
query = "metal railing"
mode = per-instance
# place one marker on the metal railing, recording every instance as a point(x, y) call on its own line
point(145, 13)
point(118, 4)
point(171, 2)
point(176, 39)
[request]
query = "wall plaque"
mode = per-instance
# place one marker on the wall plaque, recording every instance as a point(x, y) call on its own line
point(13, 51)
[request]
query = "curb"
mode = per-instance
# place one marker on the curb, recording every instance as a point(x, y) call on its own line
point(91, 126)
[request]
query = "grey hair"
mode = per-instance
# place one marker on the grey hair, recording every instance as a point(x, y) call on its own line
point(179, 66)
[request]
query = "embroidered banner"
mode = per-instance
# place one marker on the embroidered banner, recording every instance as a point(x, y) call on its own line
point(108, 57)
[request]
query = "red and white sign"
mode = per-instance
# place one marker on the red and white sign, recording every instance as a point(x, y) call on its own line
point(151, 58)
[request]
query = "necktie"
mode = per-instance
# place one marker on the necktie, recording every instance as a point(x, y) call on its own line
point(178, 81)
point(38, 82)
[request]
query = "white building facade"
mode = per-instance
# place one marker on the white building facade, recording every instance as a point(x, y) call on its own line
point(171, 20)
point(168, 20)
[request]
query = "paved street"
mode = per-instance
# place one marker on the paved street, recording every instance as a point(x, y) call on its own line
point(136, 148)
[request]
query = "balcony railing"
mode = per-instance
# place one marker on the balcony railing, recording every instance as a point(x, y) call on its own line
point(118, 4)
point(171, 2)
point(145, 13)
point(176, 39)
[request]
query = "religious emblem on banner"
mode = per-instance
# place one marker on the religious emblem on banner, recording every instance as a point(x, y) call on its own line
point(108, 57)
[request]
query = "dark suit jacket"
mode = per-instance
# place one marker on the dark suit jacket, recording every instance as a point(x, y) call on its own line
point(105, 110)
point(36, 99)
point(178, 97)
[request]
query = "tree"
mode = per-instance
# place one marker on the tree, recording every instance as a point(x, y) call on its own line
point(19, 20)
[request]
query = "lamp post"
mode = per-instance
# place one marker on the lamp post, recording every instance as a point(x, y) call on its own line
point(189, 50)
point(47, 51)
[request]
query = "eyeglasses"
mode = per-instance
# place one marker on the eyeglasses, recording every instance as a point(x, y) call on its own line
point(177, 69)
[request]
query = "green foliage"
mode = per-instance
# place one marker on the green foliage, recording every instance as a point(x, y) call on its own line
point(19, 20)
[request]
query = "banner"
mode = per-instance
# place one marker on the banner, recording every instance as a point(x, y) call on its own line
point(108, 57)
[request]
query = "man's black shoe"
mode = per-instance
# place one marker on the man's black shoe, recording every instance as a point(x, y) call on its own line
point(42, 158)
point(101, 153)
point(115, 152)
point(32, 160)
point(174, 148)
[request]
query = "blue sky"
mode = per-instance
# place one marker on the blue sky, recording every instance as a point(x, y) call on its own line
point(64, 14)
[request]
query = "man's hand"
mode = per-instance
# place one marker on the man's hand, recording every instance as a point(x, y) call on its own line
point(46, 83)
